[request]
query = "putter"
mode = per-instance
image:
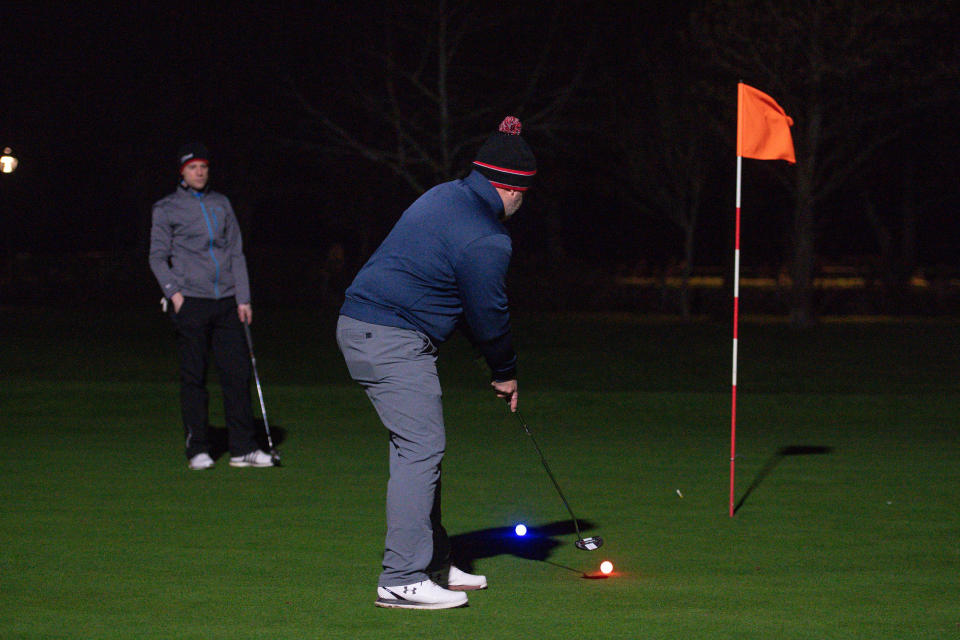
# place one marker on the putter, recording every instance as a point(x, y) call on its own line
point(584, 544)
point(274, 455)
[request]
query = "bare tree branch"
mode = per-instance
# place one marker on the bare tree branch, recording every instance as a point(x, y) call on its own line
point(433, 107)
point(841, 69)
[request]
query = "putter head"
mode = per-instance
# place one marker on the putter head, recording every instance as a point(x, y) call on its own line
point(275, 458)
point(589, 544)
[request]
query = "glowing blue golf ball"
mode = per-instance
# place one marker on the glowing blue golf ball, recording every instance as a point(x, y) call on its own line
point(520, 530)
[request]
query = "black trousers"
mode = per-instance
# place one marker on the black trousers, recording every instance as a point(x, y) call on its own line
point(205, 327)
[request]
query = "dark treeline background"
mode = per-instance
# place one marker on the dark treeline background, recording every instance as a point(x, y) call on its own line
point(326, 121)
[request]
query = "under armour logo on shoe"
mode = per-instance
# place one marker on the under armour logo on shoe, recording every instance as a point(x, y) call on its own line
point(410, 590)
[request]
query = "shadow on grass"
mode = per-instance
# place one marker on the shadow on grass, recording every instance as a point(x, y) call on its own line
point(538, 544)
point(792, 450)
point(219, 438)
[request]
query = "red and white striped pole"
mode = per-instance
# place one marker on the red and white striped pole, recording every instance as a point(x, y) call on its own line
point(768, 135)
point(736, 313)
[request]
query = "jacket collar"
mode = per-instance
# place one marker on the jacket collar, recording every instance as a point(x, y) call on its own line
point(187, 189)
point(479, 184)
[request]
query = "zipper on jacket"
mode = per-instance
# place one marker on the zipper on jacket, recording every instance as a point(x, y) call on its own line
point(206, 217)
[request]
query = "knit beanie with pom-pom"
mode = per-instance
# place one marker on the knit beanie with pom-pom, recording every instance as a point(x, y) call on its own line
point(505, 159)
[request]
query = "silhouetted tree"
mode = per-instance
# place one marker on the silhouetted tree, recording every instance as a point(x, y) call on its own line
point(661, 133)
point(847, 71)
point(432, 79)
point(419, 89)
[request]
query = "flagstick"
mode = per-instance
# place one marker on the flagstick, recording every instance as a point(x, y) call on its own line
point(765, 137)
point(736, 313)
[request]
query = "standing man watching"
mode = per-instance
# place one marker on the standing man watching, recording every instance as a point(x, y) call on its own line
point(443, 265)
point(196, 253)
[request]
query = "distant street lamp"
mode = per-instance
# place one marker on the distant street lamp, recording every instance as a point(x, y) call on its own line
point(8, 162)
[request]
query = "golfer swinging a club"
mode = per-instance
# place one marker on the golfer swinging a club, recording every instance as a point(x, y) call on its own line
point(443, 265)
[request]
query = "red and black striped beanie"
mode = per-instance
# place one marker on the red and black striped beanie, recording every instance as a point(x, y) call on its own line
point(190, 152)
point(506, 159)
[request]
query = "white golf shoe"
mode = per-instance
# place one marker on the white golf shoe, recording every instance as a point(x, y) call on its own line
point(255, 458)
point(419, 595)
point(456, 580)
point(200, 462)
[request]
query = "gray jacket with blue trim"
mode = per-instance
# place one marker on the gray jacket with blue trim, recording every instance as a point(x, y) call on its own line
point(196, 247)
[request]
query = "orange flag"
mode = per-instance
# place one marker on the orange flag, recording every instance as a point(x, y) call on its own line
point(763, 127)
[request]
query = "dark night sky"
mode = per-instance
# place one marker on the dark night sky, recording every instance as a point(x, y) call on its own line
point(96, 101)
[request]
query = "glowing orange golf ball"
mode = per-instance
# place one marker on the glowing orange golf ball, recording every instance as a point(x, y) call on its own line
point(606, 567)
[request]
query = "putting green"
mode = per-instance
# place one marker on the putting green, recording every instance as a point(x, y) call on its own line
point(847, 475)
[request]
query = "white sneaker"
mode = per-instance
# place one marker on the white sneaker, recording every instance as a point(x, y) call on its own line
point(255, 458)
point(419, 595)
point(456, 580)
point(200, 462)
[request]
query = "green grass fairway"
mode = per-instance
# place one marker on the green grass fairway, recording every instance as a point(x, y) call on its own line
point(848, 483)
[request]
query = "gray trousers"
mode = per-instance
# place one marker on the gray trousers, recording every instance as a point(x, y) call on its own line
point(398, 370)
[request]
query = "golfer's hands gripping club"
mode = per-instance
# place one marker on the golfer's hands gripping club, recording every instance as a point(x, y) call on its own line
point(508, 390)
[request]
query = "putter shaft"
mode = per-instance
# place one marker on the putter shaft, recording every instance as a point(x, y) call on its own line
point(576, 526)
point(256, 377)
